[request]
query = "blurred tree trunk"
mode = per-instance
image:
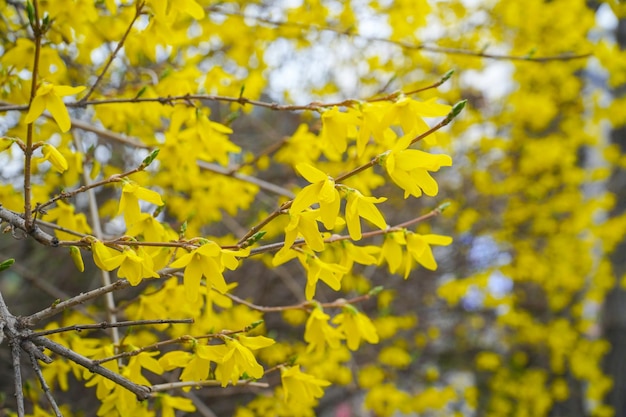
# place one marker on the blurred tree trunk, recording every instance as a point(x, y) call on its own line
point(614, 315)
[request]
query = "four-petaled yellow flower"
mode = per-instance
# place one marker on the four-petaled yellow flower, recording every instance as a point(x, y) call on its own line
point(418, 247)
point(129, 202)
point(300, 388)
point(355, 326)
point(317, 269)
point(337, 126)
point(322, 190)
point(318, 333)
point(134, 265)
point(409, 168)
point(235, 357)
point(408, 113)
point(360, 206)
point(48, 96)
point(209, 260)
point(304, 223)
point(168, 404)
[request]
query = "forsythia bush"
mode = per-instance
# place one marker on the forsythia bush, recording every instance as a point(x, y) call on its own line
point(141, 141)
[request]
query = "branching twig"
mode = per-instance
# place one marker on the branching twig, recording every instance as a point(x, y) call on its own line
point(138, 11)
point(456, 109)
point(105, 325)
point(89, 186)
point(28, 150)
point(401, 44)
point(142, 392)
point(162, 343)
point(79, 299)
point(17, 222)
point(44, 386)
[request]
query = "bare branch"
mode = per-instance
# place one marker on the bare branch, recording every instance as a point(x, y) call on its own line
point(44, 386)
point(79, 299)
point(213, 383)
point(138, 11)
point(142, 392)
point(17, 375)
point(404, 45)
point(17, 221)
point(105, 325)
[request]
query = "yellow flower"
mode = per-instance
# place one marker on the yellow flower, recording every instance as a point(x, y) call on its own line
point(129, 202)
point(322, 190)
point(355, 326)
point(133, 266)
point(419, 248)
point(236, 358)
point(48, 97)
point(360, 206)
point(136, 265)
point(316, 269)
point(52, 155)
point(409, 168)
point(408, 113)
point(304, 223)
point(5, 143)
point(299, 387)
point(209, 260)
point(63, 214)
point(487, 361)
point(318, 333)
point(392, 252)
point(337, 126)
point(168, 403)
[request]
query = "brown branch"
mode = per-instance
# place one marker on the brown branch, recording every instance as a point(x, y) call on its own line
point(106, 325)
point(456, 109)
point(401, 44)
point(44, 386)
point(305, 305)
point(142, 392)
point(79, 299)
point(69, 194)
point(28, 151)
point(336, 238)
point(17, 222)
point(138, 11)
point(212, 383)
point(178, 340)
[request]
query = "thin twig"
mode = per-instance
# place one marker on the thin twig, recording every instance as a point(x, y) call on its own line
point(212, 383)
point(305, 305)
point(285, 206)
point(28, 151)
point(336, 238)
point(79, 299)
point(186, 98)
point(52, 290)
point(8, 328)
point(138, 11)
point(88, 186)
point(401, 44)
point(142, 392)
point(106, 325)
point(105, 276)
point(17, 375)
point(44, 386)
point(18, 222)
point(162, 343)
